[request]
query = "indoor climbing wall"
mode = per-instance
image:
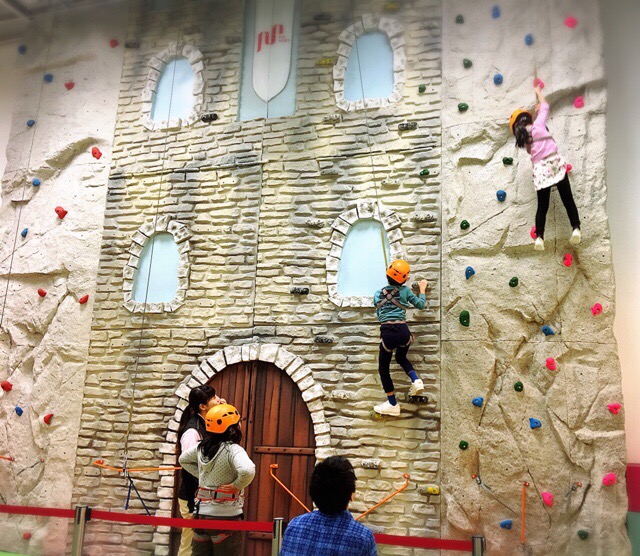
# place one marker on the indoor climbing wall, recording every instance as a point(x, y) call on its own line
point(530, 373)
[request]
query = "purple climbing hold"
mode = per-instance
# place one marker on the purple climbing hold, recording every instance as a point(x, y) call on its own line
point(48, 77)
point(498, 79)
point(469, 272)
point(19, 410)
point(528, 40)
point(534, 423)
point(495, 12)
point(502, 195)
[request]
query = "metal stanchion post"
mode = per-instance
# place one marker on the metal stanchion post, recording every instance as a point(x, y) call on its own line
point(278, 531)
point(83, 514)
point(478, 545)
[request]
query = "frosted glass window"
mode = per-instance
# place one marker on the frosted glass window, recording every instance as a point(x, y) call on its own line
point(173, 97)
point(362, 268)
point(370, 68)
point(160, 271)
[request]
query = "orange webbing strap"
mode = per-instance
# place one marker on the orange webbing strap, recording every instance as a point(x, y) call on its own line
point(524, 488)
point(8, 458)
point(103, 465)
point(275, 466)
point(398, 491)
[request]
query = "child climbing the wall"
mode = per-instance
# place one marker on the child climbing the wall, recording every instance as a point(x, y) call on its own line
point(549, 168)
point(391, 304)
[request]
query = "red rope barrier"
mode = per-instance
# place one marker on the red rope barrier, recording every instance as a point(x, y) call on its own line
point(424, 542)
point(43, 512)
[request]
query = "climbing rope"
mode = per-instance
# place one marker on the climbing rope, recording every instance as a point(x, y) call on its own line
point(525, 484)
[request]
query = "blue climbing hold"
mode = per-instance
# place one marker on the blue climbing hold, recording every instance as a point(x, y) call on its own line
point(31, 123)
point(548, 331)
point(19, 410)
point(48, 77)
point(495, 12)
point(35, 182)
point(501, 194)
point(498, 79)
point(24, 232)
point(22, 49)
point(506, 524)
point(528, 40)
point(469, 272)
point(477, 401)
point(534, 423)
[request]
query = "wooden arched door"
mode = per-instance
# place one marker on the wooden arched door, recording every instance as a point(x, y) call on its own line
point(277, 428)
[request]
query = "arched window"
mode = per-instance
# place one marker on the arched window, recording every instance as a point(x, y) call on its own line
point(173, 97)
point(370, 68)
point(363, 262)
point(157, 268)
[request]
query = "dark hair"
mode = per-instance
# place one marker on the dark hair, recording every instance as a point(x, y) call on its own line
point(523, 137)
point(333, 481)
point(198, 395)
point(210, 445)
point(393, 282)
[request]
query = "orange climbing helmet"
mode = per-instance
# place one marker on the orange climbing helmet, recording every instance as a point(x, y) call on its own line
point(514, 118)
point(399, 271)
point(220, 417)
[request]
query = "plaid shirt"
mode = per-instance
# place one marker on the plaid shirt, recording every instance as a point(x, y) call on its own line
point(318, 534)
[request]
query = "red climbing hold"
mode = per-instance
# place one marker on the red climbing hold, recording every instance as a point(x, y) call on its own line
point(61, 213)
point(547, 498)
point(26, 536)
point(569, 168)
point(596, 309)
point(69, 85)
point(609, 479)
point(47, 418)
point(537, 82)
point(533, 233)
point(614, 408)
point(41, 292)
point(579, 102)
point(551, 364)
point(568, 260)
point(571, 22)
point(113, 43)
point(83, 299)
point(6, 386)
point(95, 152)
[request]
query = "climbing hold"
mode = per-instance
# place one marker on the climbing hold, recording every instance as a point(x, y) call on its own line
point(213, 117)
point(571, 22)
point(42, 293)
point(507, 161)
point(579, 102)
point(31, 123)
point(506, 524)
point(548, 331)
point(596, 309)
point(533, 233)
point(69, 85)
point(567, 260)
point(83, 299)
point(425, 172)
point(95, 152)
point(433, 490)
point(569, 168)
point(300, 290)
point(518, 386)
point(477, 401)
point(22, 49)
point(537, 82)
point(463, 445)
point(469, 272)
point(113, 43)
point(408, 126)
point(464, 225)
point(26, 536)
point(495, 12)
point(422, 88)
point(6, 386)
point(534, 423)
point(498, 79)
point(47, 418)
point(502, 195)
point(514, 282)
point(459, 19)
point(467, 63)
point(463, 107)
point(36, 182)
point(48, 77)
point(528, 39)
point(24, 232)
point(547, 498)
point(614, 408)
point(584, 535)
point(551, 364)
point(609, 479)
point(19, 410)
point(61, 213)
point(465, 318)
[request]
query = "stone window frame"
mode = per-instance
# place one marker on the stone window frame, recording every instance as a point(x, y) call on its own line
point(181, 235)
point(364, 210)
point(369, 23)
point(276, 354)
point(156, 66)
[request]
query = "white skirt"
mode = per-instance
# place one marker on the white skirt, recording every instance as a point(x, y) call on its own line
point(549, 171)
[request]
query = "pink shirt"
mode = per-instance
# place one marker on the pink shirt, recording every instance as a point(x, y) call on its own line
point(541, 149)
point(189, 439)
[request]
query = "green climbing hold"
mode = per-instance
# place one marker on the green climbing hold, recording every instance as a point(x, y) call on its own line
point(465, 318)
point(459, 19)
point(518, 386)
point(463, 107)
point(425, 172)
point(422, 88)
point(464, 225)
point(463, 445)
point(507, 161)
point(467, 63)
point(514, 282)
point(584, 535)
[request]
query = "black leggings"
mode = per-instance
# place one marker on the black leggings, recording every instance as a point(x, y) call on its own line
point(398, 337)
point(564, 188)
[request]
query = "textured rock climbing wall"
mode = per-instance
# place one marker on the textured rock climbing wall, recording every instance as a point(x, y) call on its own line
point(44, 341)
point(580, 440)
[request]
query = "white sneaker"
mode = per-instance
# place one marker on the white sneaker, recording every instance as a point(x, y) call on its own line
point(576, 237)
point(417, 388)
point(386, 408)
point(539, 246)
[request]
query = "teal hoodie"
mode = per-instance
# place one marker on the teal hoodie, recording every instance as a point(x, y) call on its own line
point(405, 296)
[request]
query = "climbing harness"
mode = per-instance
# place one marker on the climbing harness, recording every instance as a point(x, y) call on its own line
point(215, 495)
point(482, 485)
point(390, 297)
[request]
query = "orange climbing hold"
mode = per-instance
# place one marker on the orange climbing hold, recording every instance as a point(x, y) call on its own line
point(47, 418)
point(6, 386)
point(95, 152)
point(42, 293)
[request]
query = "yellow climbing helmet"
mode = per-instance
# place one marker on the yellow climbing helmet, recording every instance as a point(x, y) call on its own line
point(399, 271)
point(514, 118)
point(220, 417)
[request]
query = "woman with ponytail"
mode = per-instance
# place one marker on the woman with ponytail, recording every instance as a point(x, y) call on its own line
point(191, 431)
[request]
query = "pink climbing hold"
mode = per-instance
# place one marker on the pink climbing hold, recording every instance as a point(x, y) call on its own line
point(537, 82)
point(579, 102)
point(547, 498)
point(571, 22)
point(551, 364)
point(6, 386)
point(113, 43)
point(609, 479)
point(569, 168)
point(83, 299)
point(614, 408)
point(42, 293)
point(596, 309)
point(95, 152)
point(69, 85)
point(533, 233)
point(568, 260)
point(47, 418)
point(26, 536)
point(61, 213)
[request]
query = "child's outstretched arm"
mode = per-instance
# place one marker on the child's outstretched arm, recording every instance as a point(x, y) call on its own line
point(421, 301)
point(543, 113)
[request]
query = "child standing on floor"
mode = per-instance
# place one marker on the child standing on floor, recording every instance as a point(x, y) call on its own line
point(549, 168)
point(391, 304)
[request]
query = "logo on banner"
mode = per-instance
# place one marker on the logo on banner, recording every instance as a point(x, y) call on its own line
point(268, 38)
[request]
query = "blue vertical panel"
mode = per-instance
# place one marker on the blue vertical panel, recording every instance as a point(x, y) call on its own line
point(363, 264)
point(370, 68)
point(250, 105)
point(173, 97)
point(159, 270)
